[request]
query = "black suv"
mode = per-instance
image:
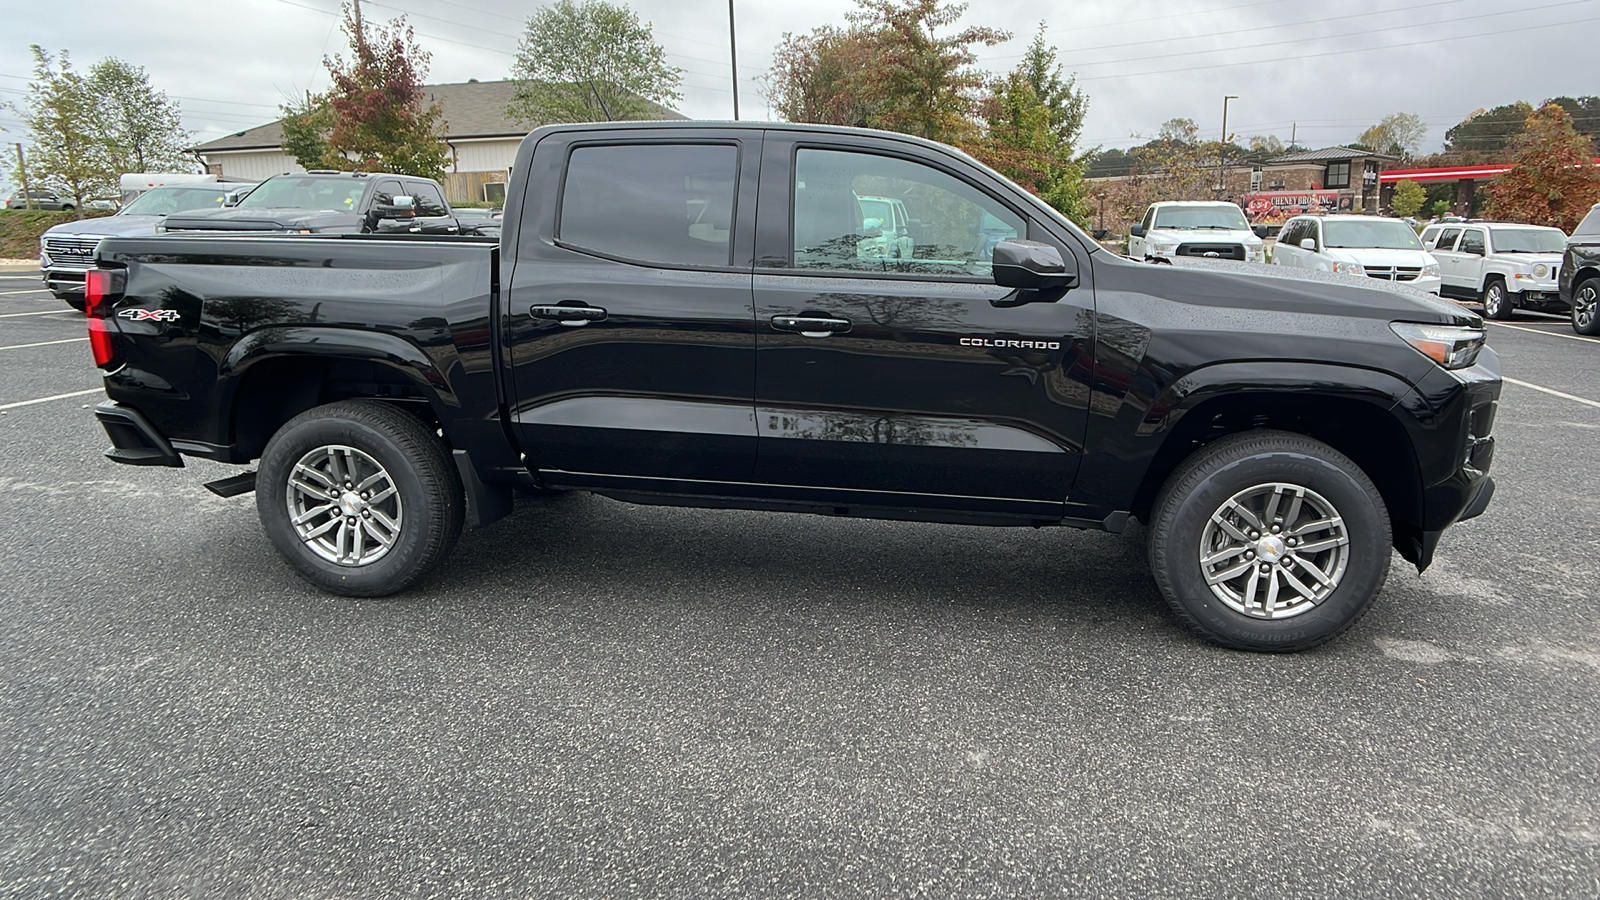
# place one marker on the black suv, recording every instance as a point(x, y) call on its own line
point(1580, 274)
point(328, 202)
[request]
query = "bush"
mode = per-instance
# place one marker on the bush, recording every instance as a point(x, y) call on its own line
point(20, 229)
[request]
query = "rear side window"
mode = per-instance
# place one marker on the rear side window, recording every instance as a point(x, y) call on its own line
point(1590, 224)
point(656, 203)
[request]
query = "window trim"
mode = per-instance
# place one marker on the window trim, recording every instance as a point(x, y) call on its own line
point(1028, 222)
point(733, 222)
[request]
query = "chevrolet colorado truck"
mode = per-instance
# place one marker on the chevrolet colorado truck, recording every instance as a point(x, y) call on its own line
point(695, 314)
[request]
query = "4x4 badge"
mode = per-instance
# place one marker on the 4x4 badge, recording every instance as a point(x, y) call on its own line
point(149, 315)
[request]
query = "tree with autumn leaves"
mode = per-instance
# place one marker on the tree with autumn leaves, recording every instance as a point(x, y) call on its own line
point(897, 65)
point(1553, 180)
point(372, 118)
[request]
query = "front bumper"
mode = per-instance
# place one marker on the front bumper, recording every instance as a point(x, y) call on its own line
point(1457, 411)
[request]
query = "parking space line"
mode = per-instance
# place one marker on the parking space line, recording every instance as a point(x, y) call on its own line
point(42, 312)
point(31, 291)
point(44, 343)
point(48, 399)
point(1551, 391)
point(1570, 337)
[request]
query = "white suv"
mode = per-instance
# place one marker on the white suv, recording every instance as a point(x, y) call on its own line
point(1503, 266)
point(1200, 228)
point(1366, 246)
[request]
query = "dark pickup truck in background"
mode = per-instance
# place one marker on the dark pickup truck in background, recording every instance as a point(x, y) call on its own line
point(328, 202)
point(702, 314)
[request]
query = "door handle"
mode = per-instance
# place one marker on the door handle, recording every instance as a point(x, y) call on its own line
point(811, 326)
point(569, 315)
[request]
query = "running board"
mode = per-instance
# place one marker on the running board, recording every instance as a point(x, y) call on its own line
point(233, 487)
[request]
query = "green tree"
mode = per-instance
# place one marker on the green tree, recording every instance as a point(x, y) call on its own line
point(928, 81)
point(820, 78)
point(1033, 117)
point(1397, 134)
point(65, 131)
point(1553, 180)
point(587, 62)
point(373, 117)
point(143, 129)
point(1408, 198)
point(1486, 133)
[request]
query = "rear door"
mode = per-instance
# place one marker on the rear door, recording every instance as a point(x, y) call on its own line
point(628, 308)
point(910, 382)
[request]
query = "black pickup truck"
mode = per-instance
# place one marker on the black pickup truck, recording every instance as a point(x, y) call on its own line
point(702, 314)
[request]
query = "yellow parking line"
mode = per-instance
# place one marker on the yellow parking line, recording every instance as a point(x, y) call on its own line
point(44, 343)
point(1555, 393)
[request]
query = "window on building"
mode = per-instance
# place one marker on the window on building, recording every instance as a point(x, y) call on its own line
point(1338, 175)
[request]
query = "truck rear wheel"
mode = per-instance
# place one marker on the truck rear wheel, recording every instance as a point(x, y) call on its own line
point(1586, 307)
point(359, 497)
point(1269, 541)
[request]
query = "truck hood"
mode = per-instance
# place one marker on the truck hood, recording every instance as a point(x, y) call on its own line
point(1309, 290)
point(1203, 236)
point(264, 220)
point(108, 226)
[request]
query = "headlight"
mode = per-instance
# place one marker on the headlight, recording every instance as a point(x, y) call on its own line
point(1541, 271)
point(1344, 268)
point(1163, 248)
point(1432, 269)
point(1451, 346)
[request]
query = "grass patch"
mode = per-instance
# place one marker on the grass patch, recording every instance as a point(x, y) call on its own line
point(20, 229)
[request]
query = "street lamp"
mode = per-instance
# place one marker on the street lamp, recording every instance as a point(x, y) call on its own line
point(1222, 147)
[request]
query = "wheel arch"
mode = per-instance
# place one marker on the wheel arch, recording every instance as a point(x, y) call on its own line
point(1359, 422)
point(275, 374)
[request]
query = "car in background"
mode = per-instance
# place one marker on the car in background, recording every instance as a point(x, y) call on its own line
point(887, 227)
point(329, 202)
point(1579, 279)
point(1363, 246)
point(40, 200)
point(1503, 265)
point(478, 220)
point(1198, 228)
point(67, 251)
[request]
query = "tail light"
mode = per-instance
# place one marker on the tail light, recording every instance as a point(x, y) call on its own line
point(101, 288)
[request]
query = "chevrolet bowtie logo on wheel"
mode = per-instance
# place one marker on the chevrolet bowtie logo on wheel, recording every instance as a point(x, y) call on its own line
point(149, 315)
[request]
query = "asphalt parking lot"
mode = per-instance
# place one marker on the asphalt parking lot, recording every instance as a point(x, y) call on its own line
point(594, 699)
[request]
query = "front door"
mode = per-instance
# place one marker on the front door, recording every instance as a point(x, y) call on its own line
point(628, 310)
point(903, 372)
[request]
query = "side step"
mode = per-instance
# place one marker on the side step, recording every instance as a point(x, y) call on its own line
point(232, 487)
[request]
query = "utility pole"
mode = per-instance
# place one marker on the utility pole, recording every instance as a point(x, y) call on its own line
point(1294, 130)
point(1222, 147)
point(22, 169)
point(733, 55)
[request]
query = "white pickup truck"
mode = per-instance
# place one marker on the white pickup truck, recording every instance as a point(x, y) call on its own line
point(1503, 266)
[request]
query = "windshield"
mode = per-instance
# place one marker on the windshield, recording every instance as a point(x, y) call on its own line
point(289, 192)
point(164, 201)
point(1226, 217)
point(1378, 234)
point(1528, 240)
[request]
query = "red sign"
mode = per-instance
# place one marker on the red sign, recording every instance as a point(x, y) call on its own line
point(1277, 206)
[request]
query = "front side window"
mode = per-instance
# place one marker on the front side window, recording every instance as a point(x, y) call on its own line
point(950, 230)
point(1338, 175)
point(1290, 235)
point(1149, 219)
point(1472, 241)
point(657, 203)
point(429, 202)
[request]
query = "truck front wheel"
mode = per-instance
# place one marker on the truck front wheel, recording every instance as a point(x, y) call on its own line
point(1586, 307)
point(1269, 541)
point(360, 497)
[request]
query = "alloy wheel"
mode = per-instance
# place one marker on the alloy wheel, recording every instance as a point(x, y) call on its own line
point(344, 505)
point(1274, 550)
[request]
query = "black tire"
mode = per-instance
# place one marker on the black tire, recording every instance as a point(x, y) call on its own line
point(1497, 303)
point(1586, 307)
point(1233, 467)
point(429, 501)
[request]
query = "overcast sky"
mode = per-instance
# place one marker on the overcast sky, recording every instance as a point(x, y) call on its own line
point(1332, 68)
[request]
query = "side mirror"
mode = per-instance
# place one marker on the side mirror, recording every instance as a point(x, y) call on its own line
point(1137, 230)
point(232, 198)
point(1030, 265)
point(1309, 244)
point(404, 207)
point(1260, 231)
